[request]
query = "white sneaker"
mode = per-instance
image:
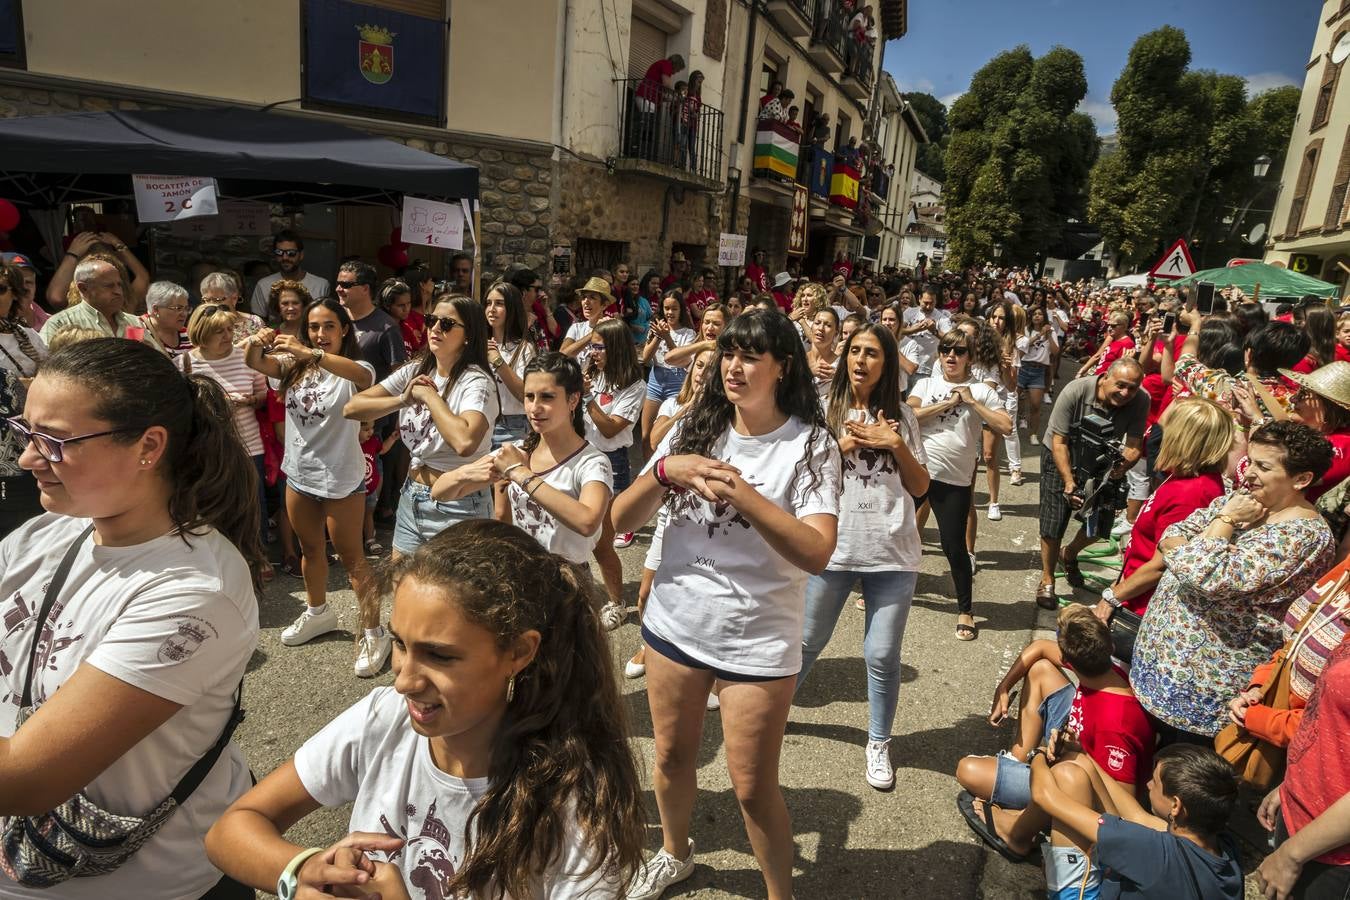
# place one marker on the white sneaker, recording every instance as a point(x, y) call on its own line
point(660, 872)
point(1035, 441)
point(880, 772)
point(611, 615)
point(309, 626)
point(371, 654)
point(633, 668)
point(623, 540)
point(995, 514)
point(714, 702)
point(1122, 527)
point(973, 564)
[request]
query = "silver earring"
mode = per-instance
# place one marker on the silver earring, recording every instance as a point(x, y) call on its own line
point(510, 688)
point(145, 462)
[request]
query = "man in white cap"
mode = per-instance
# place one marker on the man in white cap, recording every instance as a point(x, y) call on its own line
point(782, 291)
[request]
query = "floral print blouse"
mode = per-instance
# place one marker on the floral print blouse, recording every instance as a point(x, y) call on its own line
point(1193, 378)
point(1216, 614)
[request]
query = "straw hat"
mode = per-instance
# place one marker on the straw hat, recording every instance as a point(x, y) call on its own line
point(1331, 381)
point(598, 286)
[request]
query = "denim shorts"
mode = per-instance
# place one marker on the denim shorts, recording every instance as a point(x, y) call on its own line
point(664, 382)
point(675, 654)
point(618, 462)
point(1032, 375)
point(421, 518)
point(509, 430)
point(1012, 783)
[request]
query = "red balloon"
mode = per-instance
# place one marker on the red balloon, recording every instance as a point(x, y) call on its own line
point(392, 256)
point(396, 238)
point(9, 216)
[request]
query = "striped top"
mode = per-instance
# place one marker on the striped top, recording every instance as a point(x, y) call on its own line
point(1322, 635)
point(235, 378)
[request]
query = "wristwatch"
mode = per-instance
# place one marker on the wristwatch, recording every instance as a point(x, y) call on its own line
point(1110, 597)
point(1228, 520)
point(317, 353)
point(288, 883)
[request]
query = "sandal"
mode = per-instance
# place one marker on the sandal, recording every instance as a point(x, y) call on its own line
point(374, 548)
point(1045, 597)
point(291, 566)
point(1072, 573)
point(966, 632)
point(984, 827)
point(1017, 480)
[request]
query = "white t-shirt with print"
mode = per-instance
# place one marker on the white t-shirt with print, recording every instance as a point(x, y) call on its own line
point(575, 332)
point(921, 346)
point(877, 528)
point(681, 337)
point(323, 450)
point(178, 620)
point(722, 594)
point(625, 403)
point(1035, 348)
point(952, 440)
point(587, 464)
point(370, 756)
point(517, 356)
point(473, 391)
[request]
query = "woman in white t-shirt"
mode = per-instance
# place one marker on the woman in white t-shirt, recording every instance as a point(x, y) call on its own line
point(497, 763)
point(446, 403)
point(951, 406)
point(558, 486)
point(214, 356)
point(325, 469)
point(715, 318)
point(610, 406)
point(580, 339)
point(879, 545)
point(509, 352)
point(751, 476)
point(21, 349)
point(151, 501)
point(666, 332)
point(1040, 348)
point(670, 412)
point(822, 356)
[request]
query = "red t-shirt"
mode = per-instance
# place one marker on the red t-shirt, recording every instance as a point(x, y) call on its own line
point(1342, 354)
point(1115, 731)
point(371, 450)
point(783, 300)
point(697, 301)
point(1113, 353)
point(1318, 773)
point(757, 276)
point(414, 331)
point(1340, 464)
point(1174, 500)
point(1306, 365)
point(654, 80)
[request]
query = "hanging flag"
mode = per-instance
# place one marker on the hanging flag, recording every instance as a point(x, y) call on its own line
point(776, 147)
point(844, 185)
point(798, 226)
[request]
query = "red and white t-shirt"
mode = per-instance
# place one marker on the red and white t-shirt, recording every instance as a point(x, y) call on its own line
point(1340, 464)
point(1113, 353)
point(1115, 731)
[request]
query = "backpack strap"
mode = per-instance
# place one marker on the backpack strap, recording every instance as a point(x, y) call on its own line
point(53, 591)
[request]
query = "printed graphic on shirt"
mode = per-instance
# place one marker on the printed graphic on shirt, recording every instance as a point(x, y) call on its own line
point(868, 463)
point(433, 866)
point(191, 634)
point(719, 518)
point(532, 518)
point(306, 401)
point(418, 429)
point(953, 415)
point(55, 639)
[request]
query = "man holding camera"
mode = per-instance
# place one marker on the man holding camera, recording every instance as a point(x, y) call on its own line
point(1115, 397)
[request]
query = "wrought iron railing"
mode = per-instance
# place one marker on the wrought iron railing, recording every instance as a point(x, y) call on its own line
point(831, 27)
point(660, 126)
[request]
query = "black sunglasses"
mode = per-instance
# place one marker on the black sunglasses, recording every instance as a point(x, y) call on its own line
point(445, 323)
point(347, 285)
point(214, 308)
point(285, 252)
point(51, 448)
point(955, 348)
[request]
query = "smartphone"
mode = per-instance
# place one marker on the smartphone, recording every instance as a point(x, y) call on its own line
point(1143, 321)
point(1169, 323)
point(1204, 299)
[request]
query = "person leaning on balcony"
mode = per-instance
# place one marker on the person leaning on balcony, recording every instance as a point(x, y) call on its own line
point(660, 78)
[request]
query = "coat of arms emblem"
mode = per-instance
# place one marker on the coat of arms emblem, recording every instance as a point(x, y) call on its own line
point(375, 53)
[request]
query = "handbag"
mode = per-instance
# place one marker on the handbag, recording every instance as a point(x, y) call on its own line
point(1124, 625)
point(80, 839)
point(1258, 762)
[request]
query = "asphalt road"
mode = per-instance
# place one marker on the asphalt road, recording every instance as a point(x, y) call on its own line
point(852, 841)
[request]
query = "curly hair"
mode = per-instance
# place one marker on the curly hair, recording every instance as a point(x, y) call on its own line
point(281, 286)
point(984, 347)
point(1304, 449)
point(560, 757)
point(758, 331)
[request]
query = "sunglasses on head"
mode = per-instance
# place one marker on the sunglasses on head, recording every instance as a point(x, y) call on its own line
point(445, 323)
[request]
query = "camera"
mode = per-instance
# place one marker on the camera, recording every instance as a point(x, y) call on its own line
point(1094, 453)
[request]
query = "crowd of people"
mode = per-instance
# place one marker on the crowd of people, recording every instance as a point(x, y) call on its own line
point(166, 452)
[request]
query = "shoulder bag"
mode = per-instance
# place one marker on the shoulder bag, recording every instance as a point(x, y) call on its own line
point(79, 839)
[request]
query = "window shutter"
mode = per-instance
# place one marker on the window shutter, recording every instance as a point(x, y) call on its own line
point(647, 44)
point(429, 9)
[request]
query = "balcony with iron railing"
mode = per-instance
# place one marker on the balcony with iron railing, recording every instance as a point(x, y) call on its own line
point(668, 136)
point(795, 17)
point(857, 81)
point(829, 36)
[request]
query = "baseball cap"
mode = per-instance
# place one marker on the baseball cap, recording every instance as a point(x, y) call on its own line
point(17, 259)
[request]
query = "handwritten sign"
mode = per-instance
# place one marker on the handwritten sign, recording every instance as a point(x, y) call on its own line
point(433, 224)
point(168, 198)
point(731, 249)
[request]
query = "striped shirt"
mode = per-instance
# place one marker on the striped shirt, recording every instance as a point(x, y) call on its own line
point(234, 377)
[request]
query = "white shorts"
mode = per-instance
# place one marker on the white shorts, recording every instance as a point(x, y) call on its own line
point(1137, 476)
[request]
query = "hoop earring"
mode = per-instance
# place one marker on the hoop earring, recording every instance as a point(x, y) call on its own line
point(510, 688)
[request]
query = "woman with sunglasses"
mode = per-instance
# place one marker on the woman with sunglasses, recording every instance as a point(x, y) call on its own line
point(668, 331)
point(152, 516)
point(21, 349)
point(325, 469)
point(446, 403)
point(951, 407)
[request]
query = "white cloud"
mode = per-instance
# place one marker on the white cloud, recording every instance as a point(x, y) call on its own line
point(1104, 114)
point(916, 86)
point(948, 100)
point(1264, 81)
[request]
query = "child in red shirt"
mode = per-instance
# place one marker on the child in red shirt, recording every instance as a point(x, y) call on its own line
point(373, 448)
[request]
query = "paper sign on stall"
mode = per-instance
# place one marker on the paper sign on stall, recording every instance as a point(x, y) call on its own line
point(167, 198)
point(432, 223)
point(731, 249)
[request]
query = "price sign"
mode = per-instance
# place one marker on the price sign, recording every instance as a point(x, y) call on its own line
point(432, 223)
point(168, 198)
point(245, 217)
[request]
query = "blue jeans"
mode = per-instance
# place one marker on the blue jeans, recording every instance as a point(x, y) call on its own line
point(618, 462)
point(888, 596)
point(509, 429)
point(421, 518)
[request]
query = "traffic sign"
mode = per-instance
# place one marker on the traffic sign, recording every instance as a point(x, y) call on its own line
point(1176, 263)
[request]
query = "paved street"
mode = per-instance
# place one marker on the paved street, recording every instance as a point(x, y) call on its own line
point(852, 841)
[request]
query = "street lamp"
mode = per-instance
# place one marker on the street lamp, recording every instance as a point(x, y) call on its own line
point(1261, 166)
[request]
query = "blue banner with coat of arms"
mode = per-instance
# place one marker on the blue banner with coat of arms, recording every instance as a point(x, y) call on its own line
point(378, 59)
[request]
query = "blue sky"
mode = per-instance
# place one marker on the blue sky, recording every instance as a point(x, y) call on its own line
point(1267, 42)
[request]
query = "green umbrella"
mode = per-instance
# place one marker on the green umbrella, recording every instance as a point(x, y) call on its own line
point(1274, 280)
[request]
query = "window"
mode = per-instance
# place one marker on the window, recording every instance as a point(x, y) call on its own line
point(1302, 186)
point(647, 44)
point(401, 48)
point(11, 35)
point(1335, 214)
point(1326, 93)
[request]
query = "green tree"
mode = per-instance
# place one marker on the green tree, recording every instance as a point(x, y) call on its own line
point(932, 115)
point(1019, 156)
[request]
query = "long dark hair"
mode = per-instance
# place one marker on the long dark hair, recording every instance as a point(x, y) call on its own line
point(134, 386)
point(567, 373)
point(513, 329)
point(348, 348)
point(1320, 323)
point(885, 396)
point(621, 363)
point(772, 333)
point(476, 332)
point(560, 758)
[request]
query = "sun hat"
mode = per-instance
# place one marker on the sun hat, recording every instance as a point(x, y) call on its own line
point(597, 286)
point(1331, 381)
point(781, 279)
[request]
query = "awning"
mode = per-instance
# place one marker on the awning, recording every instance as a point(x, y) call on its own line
point(1274, 281)
point(253, 154)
